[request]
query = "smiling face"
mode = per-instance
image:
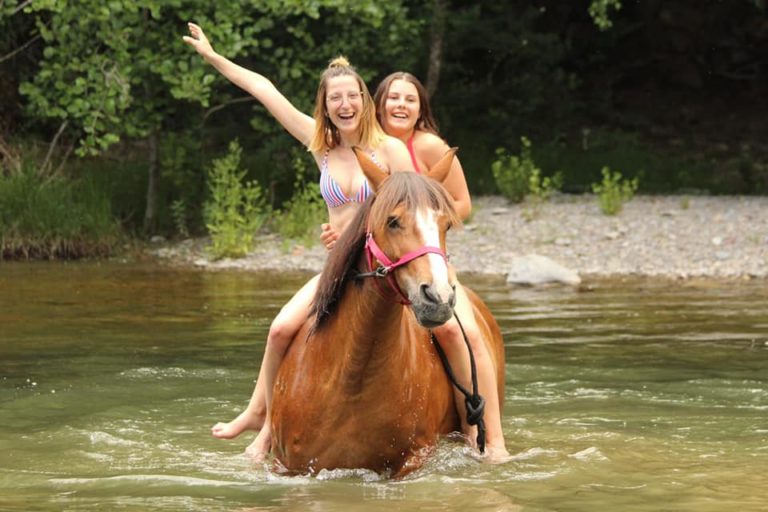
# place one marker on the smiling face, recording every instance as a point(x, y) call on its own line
point(344, 104)
point(401, 108)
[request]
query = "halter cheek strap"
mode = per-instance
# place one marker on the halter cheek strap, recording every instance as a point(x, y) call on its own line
point(387, 266)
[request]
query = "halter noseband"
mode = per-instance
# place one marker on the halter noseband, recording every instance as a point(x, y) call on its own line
point(387, 266)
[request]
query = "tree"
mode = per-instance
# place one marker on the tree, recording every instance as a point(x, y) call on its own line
point(119, 70)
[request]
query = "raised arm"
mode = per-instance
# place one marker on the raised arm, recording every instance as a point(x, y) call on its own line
point(298, 124)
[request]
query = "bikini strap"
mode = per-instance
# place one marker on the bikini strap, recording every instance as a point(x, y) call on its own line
point(413, 153)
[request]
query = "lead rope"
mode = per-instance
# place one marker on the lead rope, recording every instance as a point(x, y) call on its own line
point(474, 403)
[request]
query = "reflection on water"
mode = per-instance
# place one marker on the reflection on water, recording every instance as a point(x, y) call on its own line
point(623, 395)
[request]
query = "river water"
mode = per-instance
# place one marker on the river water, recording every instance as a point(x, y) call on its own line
point(631, 395)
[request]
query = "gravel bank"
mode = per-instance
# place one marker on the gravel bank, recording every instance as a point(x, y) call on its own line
point(659, 236)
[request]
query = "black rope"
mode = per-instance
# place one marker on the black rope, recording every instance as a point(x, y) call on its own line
point(474, 403)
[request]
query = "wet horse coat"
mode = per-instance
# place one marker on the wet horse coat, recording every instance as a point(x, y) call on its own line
point(362, 386)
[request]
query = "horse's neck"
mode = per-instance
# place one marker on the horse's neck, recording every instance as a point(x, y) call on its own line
point(370, 328)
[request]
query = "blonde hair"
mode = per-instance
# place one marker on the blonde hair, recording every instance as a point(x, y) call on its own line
point(326, 135)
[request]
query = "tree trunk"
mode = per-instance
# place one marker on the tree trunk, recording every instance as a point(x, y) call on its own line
point(150, 213)
point(436, 39)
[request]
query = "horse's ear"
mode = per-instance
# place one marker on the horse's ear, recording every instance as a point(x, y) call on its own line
point(440, 170)
point(373, 172)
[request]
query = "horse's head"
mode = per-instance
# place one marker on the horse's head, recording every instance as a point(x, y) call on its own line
point(407, 225)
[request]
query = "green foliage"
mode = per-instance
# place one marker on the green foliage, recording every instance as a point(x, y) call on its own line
point(179, 213)
point(236, 210)
point(540, 190)
point(598, 9)
point(613, 191)
point(124, 72)
point(301, 216)
point(53, 218)
point(513, 173)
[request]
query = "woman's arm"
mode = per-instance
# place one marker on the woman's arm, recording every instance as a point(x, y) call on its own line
point(298, 124)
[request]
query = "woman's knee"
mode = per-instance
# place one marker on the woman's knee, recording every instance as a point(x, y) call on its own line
point(280, 334)
point(453, 333)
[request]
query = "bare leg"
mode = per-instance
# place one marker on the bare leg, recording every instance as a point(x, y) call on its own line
point(451, 340)
point(281, 333)
point(252, 418)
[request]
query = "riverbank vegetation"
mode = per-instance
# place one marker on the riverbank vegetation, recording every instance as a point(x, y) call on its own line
point(115, 125)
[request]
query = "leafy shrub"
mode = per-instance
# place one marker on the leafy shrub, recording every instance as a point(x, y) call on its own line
point(301, 215)
point(540, 190)
point(179, 214)
point(613, 192)
point(512, 173)
point(518, 178)
point(236, 209)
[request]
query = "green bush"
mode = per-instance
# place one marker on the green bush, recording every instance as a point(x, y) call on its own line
point(540, 190)
point(180, 216)
point(512, 173)
point(236, 209)
point(613, 192)
point(301, 215)
point(52, 218)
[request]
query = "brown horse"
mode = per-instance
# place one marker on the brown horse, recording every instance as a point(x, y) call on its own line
point(362, 386)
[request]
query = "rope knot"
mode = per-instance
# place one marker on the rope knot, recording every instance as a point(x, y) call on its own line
point(475, 405)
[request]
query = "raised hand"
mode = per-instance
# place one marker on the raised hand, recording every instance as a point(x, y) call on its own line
point(198, 41)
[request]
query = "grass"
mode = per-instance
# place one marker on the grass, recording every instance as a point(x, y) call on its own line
point(54, 218)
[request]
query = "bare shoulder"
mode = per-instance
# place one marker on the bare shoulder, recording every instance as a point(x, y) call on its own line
point(392, 144)
point(429, 147)
point(395, 153)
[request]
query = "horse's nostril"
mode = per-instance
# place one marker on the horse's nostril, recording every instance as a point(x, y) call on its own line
point(429, 294)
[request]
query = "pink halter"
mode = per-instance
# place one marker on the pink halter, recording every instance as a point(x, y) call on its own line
point(387, 266)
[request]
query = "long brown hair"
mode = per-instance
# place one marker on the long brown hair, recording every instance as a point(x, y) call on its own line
point(426, 121)
point(326, 135)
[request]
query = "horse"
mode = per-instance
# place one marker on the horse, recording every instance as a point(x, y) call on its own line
point(362, 385)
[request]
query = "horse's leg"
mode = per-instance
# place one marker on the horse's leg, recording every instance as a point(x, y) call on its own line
point(282, 331)
point(452, 341)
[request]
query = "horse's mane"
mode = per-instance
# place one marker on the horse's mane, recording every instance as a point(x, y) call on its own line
point(406, 188)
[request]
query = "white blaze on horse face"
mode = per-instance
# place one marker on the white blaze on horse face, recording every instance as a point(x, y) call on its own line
point(426, 224)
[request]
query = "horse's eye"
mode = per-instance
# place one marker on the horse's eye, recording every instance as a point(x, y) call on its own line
point(392, 222)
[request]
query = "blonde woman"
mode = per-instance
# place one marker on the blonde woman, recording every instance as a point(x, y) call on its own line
point(344, 116)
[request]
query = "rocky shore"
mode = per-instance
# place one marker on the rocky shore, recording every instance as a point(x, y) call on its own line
point(656, 236)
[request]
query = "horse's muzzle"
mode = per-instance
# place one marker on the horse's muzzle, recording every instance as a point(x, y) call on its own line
point(432, 308)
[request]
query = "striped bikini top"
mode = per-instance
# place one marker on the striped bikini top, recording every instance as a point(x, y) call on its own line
point(333, 194)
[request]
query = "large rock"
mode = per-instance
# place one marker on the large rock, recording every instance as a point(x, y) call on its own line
point(533, 269)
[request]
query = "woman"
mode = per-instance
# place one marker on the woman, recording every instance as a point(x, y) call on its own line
point(344, 116)
point(403, 110)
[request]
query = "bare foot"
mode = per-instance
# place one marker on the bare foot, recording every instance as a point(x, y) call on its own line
point(260, 446)
point(496, 455)
point(246, 420)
